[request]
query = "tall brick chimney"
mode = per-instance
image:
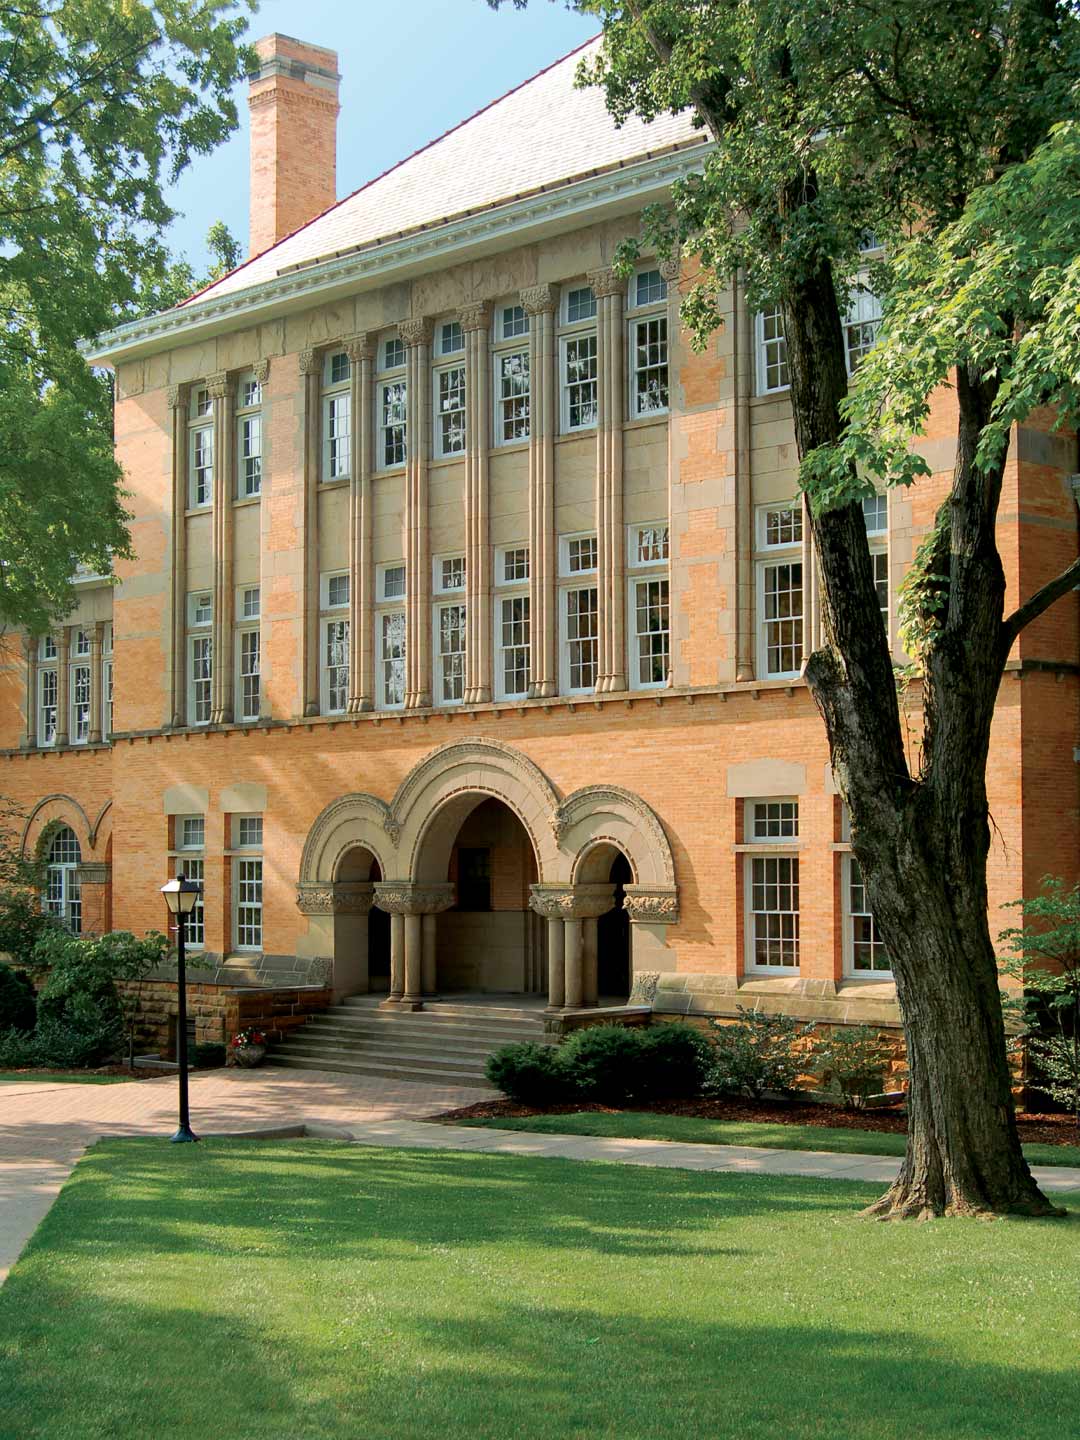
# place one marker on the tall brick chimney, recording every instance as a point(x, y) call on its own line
point(293, 98)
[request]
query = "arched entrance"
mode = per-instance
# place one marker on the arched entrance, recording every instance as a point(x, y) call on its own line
point(361, 932)
point(605, 864)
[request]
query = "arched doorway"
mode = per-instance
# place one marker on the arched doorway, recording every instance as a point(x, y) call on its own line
point(613, 964)
point(361, 933)
point(489, 941)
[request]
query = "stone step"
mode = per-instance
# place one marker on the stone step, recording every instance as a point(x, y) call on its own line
point(467, 1041)
point(289, 1061)
point(386, 1055)
point(443, 1011)
point(416, 1023)
point(389, 1046)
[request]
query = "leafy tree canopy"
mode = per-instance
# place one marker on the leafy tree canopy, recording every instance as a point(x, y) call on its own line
point(102, 104)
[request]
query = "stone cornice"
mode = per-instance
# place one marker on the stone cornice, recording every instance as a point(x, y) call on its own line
point(317, 282)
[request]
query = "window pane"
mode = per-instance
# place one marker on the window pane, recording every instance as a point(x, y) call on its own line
point(250, 646)
point(514, 322)
point(393, 422)
point(202, 673)
point(868, 952)
point(774, 365)
point(336, 661)
point(337, 417)
point(775, 820)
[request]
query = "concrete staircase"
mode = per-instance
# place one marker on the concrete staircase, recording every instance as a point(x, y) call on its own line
point(445, 1043)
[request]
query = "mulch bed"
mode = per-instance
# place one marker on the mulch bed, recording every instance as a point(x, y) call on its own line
point(123, 1070)
point(1034, 1129)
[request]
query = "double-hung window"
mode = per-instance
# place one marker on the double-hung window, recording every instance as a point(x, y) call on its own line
point(107, 679)
point(578, 360)
point(449, 637)
point(648, 345)
point(336, 416)
point(248, 437)
point(390, 636)
point(772, 361)
point(449, 391)
point(863, 318)
point(392, 405)
point(247, 841)
point(200, 448)
point(512, 386)
point(335, 631)
point(876, 515)
point(48, 690)
point(780, 590)
point(580, 613)
point(200, 658)
point(248, 653)
point(189, 840)
point(79, 686)
point(865, 953)
point(512, 622)
point(650, 627)
point(772, 885)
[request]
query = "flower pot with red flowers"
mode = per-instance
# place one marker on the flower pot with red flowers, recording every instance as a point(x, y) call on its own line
point(248, 1047)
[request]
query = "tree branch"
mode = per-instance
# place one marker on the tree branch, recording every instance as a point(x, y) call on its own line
point(1042, 600)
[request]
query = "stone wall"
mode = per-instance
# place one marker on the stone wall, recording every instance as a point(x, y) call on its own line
point(219, 1011)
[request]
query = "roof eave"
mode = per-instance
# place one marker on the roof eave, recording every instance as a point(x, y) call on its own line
point(620, 189)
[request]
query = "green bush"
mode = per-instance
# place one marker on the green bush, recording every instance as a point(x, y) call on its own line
point(209, 1056)
point(758, 1052)
point(529, 1074)
point(79, 1041)
point(675, 1061)
point(18, 1049)
point(18, 1002)
point(851, 1062)
point(604, 1063)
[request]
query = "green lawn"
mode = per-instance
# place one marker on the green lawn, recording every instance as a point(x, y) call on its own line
point(67, 1077)
point(331, 1292)
point(643, 1125)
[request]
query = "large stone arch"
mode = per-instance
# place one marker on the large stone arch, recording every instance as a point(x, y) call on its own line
point(442, 789)
point(597, 817)
point(351, 821)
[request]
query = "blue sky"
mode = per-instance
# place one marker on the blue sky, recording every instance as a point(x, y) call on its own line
point(410, 70)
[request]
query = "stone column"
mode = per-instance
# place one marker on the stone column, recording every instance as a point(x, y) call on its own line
point(570, 909)
point(63, 685)
point(743, 342)
point(221, 689)
point(417, 337)
point(361, 352)
point(429, 968)
point(412, 941)
point(178, 403)
point(97, 635)
point(590, 958)
point(539, 302)
point(575, 977)
point(413, 998)
point(610, 289)
point(397, 961)
point(556, 936)
point(476, 327)
point(311, 370)
point(30, 651)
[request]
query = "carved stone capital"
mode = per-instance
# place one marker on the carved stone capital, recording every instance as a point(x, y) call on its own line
point(554, 902)
point(308, 360)
point(261, 370)
point(572, 902)
point(315, 899)
point(175, 396)
point(403, 898)
point(655, 905)
point(538, 299)
point(606, 282)
point(353, 897)
point(360, 347)
point(218, 384)
point(475, 317)
point(416, 331)
point(670, 269)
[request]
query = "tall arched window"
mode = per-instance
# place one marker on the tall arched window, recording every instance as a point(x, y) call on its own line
point(62, 898)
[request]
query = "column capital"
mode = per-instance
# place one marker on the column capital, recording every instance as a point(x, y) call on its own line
point(218, 384)
point(176, 396)
point(360, 347)
point(347, 897)
point(261, 370)
point(475, 317)
point(308, 361)
point(538, 299)
point(652, 904)
point(405, 898)
point(416, 331)
point(606, 282)
point(571, 902)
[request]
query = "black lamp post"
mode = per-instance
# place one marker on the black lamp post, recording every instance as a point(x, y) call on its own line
point(180, 896)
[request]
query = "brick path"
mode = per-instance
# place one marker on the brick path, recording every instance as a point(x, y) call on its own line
point(44, 1128)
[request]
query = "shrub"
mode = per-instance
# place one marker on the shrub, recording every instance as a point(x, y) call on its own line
point(758, 1052)
point(18, 1002)
point(604, 1063)
point(851, 1061)
point(18, 1049)
point(77, 1041)
point(209, 1056)
point(80, 994)
point(675, 1061)
point(529, 1074)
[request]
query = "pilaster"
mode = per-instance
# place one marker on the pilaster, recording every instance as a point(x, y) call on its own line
point(97, 635)
point(311, 369)
point(539, 303)
point(224, 401)
point(744, 484)
point(361, 352)
point(178, 403)
point(63, 685)
point(416, 335)
point(609, 289)
point(476, 327)
point(30, 653)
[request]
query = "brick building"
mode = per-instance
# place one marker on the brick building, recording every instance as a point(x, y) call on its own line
point(462, 647)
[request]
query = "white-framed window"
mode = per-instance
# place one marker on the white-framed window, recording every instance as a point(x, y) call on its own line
point(48, 649)
point(335, 666)
point(512, 565)
point(80, 704)
point(451, 338)
point(511, 321)
point(581, 631)
point(512, 640)
point(82, 643)
point(865, 953)
point(648, 544)
point(578, 554)
point(247, 885)
point(200, 658)
point(648, 287)
point(190, 838)
point(772, 821)
point(200, 466)
point(449, 574)
point(772, 913)
point(579, 304)
point(248, 687)
point(63, 898)
point(336, 416)
point(772, 361)
point(48, 688)
point(390, 582)
point(248, 437)
point(780, 590)
point(650, 658)
point(449, 383)
point(390, 653)
point(512, 396)
point(335, 590)
point(648, 344)
point(579, 382)
point(392, 406)
point(449, 654)
point(190, 832)
point(200, 609)
point(107, 679)
point(863, 318)
point(250, 606)
point(876, 515)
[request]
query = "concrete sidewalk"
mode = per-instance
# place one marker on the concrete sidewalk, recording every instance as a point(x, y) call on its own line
point(45, 1127)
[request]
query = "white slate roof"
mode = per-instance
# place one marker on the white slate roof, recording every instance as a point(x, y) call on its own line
point(539, 136)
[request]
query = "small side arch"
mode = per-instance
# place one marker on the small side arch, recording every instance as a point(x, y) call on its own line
point(101, 830)
point(352, 820)
point(48, 815)
point(597, 817)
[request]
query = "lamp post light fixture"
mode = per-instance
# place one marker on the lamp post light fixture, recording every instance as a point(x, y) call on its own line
point(181, 896)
